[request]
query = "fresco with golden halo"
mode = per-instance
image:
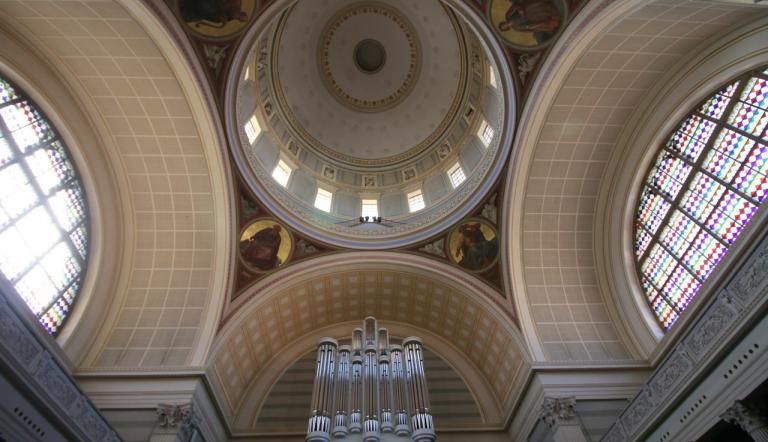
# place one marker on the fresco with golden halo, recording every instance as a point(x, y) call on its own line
point(265, 245)
point(527, 24)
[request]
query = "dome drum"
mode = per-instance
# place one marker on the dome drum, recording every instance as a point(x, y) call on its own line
point(400, 156)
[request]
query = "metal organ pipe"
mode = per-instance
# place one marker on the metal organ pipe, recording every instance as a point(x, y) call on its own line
point(399, 392)
point(371, 430)
point(370, 387)
point(356, 396)
point(385, 392)
point(421, 416)
point(342, 392)
point(322, 394)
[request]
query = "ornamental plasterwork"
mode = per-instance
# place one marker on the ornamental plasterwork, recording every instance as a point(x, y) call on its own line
point(436, 248)
point(414, 56)
point(438, 134)
point(423, 218)
point(555, 411)
point(748, 417)
point(704, 336)
point(41, 372)
point(712, 324)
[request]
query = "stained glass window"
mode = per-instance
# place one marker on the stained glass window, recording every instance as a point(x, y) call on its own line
point(705, 185)
point(43, 221)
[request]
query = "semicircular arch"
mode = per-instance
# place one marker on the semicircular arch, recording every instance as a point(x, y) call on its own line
point(462, 316)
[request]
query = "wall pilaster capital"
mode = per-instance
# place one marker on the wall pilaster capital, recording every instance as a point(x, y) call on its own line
point(181, 417)
point(749, 417)
point(555, 411)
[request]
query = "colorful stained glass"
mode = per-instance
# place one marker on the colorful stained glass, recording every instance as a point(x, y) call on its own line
point(704, 255)
point(752, 179)
point(712, 199)
point(680, 288)
point(666, 314)
point(679, 233)
point(658, 265)
point(79, 238)
point(748, 118)
point(668, 174)
point(685, 145)
point(715, 106)
point(701, 197)
point(43, 234)
point(729, 153)
point(642, 239)
point(7, 93)
point(26, 126)
point(653, 208)
point(756, 93)
point(730, 218)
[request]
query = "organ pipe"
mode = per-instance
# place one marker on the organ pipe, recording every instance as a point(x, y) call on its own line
point(399, 392)
point(322, 394)
point(356, 397)
point(342, 391)
point(421, 417)
point(370, 387)
point(371, 430)
point(385, 392)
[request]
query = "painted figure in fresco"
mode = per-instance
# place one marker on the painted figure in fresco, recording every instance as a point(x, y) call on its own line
point(213, 13)
point(540, 17)
point(475, 249)
point(260, 250)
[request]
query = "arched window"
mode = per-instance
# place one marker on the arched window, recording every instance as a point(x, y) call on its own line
point(708, 181)
point(43, 221)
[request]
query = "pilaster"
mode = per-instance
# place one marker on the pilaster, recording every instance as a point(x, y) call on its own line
point(559, 414)
point(176, 423)
point(752, 418)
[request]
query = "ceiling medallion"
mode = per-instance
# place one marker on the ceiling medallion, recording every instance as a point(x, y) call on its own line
point(369, 56)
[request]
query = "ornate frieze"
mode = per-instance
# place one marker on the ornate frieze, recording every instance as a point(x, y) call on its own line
point(715, 321)
point(23, 355)
point(674, 371)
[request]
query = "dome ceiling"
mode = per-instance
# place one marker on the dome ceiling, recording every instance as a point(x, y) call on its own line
point(388, 111)
point(370, 103)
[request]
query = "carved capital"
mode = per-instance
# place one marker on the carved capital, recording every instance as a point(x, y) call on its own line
point(181, 416)
point(555, 411)
point(748, 417)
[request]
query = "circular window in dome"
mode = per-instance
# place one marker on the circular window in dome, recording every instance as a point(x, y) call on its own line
point(706, 184)
point(43, 213)
point(370, 56)
point(351, 109)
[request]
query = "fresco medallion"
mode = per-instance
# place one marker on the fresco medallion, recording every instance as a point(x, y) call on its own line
point(527, 24)
point(265, 245)
point(473, 245)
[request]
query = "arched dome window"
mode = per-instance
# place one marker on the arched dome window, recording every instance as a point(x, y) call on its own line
point(707, 182)
point(43, 221)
